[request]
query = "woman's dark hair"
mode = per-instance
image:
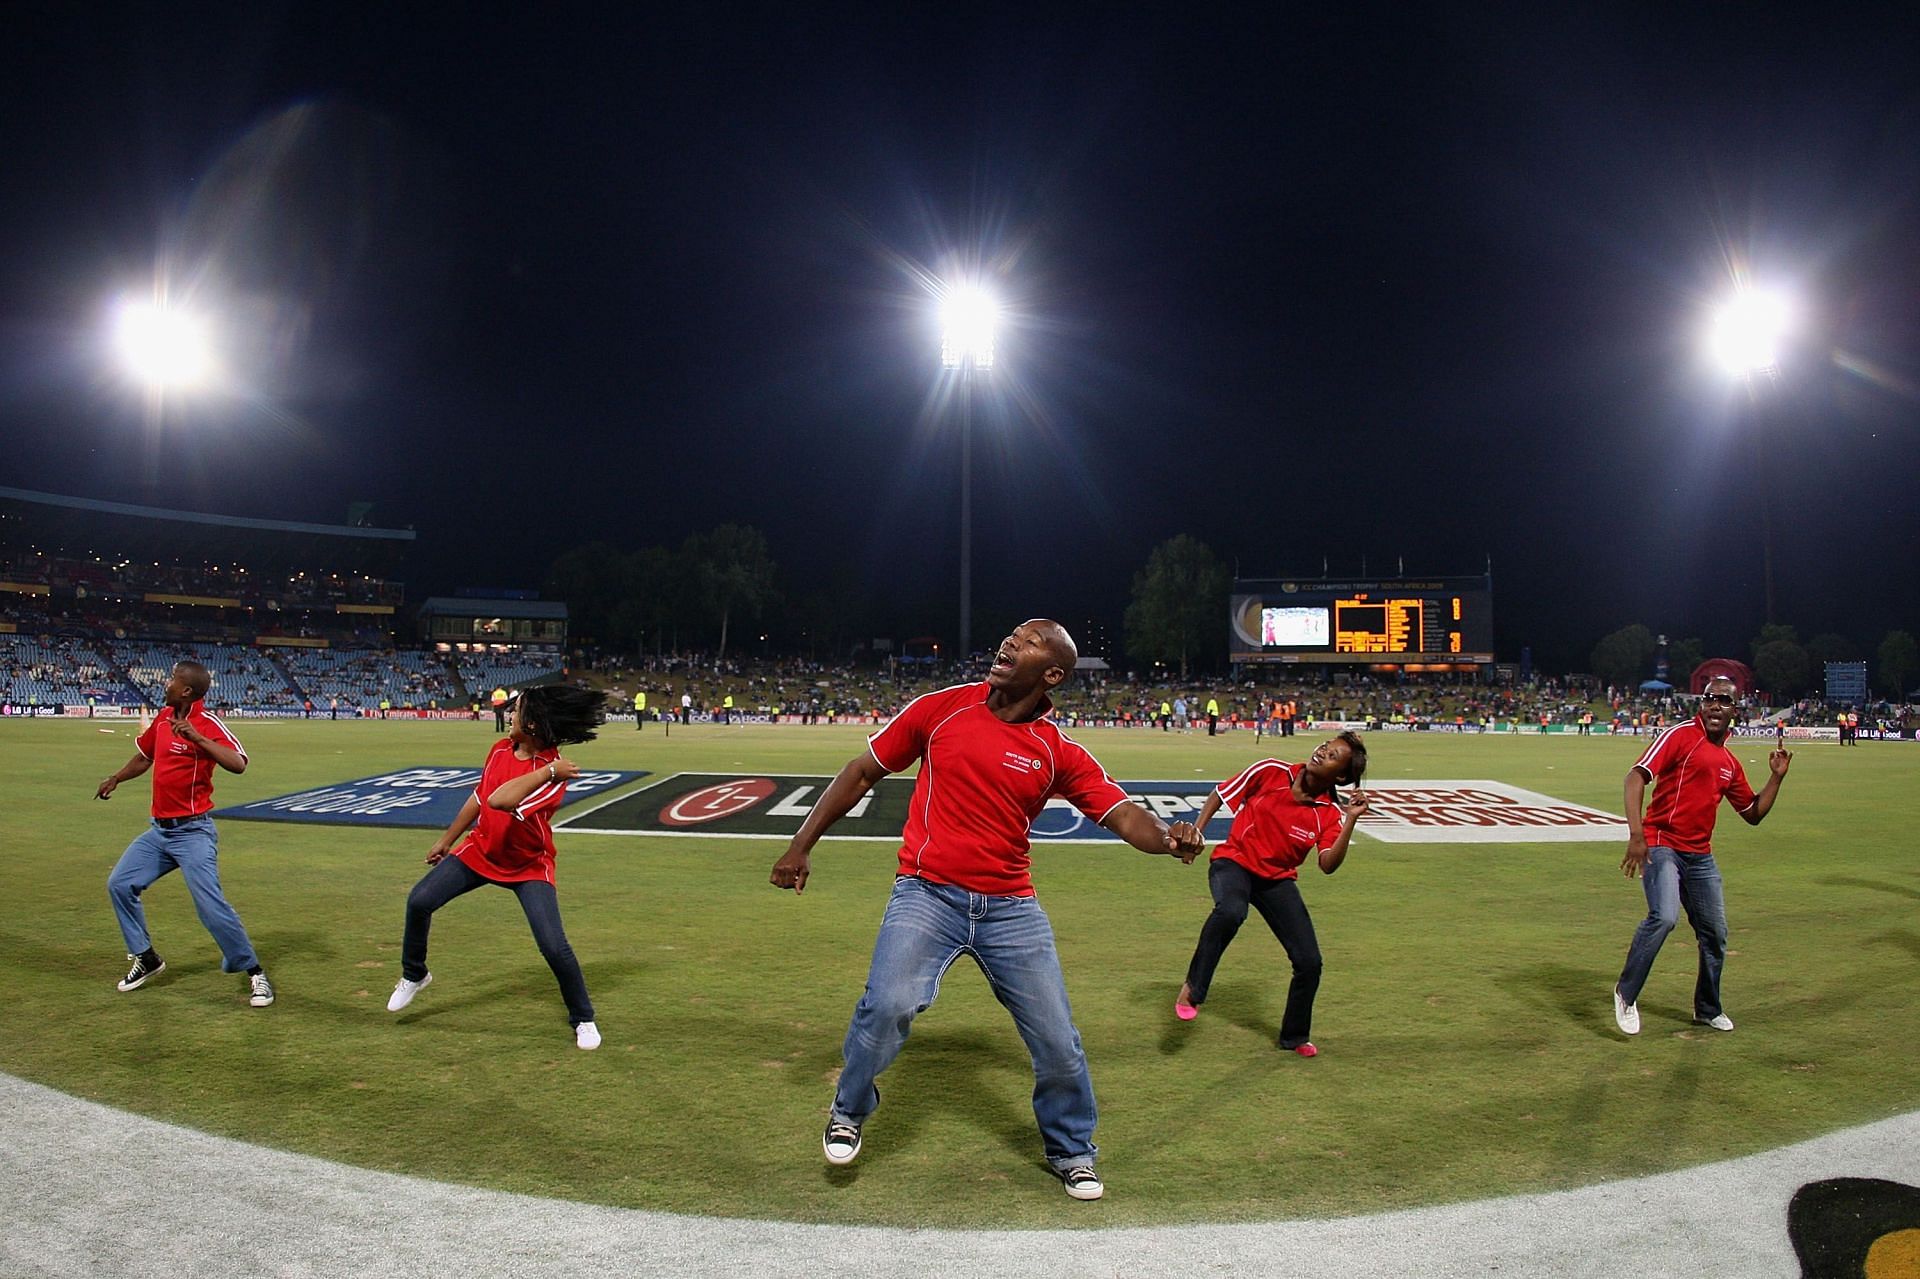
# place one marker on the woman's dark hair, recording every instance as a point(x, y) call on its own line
point(561, 714)
point(1356, 762)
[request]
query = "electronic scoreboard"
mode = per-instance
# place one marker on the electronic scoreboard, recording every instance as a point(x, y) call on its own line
point(1438, 622)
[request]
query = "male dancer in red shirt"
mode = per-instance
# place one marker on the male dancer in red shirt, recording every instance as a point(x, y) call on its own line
point(1671, 842)
point(990, 760)
point(181, 746)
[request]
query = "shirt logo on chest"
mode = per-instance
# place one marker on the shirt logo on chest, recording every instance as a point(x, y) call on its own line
point(1023, 763)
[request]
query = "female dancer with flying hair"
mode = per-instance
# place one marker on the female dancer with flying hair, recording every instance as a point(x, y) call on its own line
point(1281, 812)
point(520, 787)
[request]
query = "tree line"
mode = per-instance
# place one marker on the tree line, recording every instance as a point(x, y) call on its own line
point(698, 594)
point(1781, 663)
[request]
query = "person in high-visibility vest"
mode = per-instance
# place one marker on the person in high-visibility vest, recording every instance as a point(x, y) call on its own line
point(1166, 717)
point(385, 706)
point(499, 700)
point(726, 709)
point(1213, 716)
point(639, 709)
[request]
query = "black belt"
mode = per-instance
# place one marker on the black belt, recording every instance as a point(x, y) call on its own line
point(168, 823)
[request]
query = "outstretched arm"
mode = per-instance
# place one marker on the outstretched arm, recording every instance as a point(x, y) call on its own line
point(1146, 832)
point(860, 775)
point(1778, 762)
point(469, 813)
point(128, 771)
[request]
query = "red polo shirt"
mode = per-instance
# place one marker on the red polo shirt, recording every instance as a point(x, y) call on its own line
point(509, 846)
point(1690, 775)
point(982, 782)
point(182, 772)
point(1273, 829)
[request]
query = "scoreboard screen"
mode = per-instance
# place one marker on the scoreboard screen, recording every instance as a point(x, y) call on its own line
point(1441, 621)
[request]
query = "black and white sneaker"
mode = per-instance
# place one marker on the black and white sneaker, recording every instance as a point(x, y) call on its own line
point(138, 974)
point(259, 990)
point(1082, 1181)
point(841, 1141)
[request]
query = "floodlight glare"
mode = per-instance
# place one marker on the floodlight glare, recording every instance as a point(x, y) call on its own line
point(161, 346)
point(968, 318)
point(1747, 332)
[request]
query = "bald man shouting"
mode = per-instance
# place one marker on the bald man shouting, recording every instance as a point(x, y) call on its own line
point(990, 759)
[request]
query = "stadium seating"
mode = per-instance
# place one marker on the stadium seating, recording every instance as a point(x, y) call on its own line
point(360, 678)
point(56, 671)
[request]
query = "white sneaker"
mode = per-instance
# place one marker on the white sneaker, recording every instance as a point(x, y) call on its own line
point(403, 993)
point(260, 990)
point(1627, 1016)
point(1722, 1022)
point(586, 1035)
point(841, 1141)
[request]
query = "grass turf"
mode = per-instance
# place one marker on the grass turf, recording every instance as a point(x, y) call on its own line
point(1468, 1046)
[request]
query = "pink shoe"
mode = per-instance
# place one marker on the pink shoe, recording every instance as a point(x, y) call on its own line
point(1183, 1008)
point(1307, 1050)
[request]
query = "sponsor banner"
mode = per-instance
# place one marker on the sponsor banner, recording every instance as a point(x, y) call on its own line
point(424, 796)
point(772, 806)
point(1482, 812)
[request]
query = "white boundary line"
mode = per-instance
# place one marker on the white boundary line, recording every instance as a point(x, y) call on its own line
point(92, 1190)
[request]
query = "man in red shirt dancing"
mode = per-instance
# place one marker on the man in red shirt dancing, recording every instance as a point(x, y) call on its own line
point(1671, 842)
point(181, 746)
point(990, 761)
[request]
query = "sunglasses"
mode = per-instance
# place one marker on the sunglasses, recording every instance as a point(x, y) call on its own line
point(1721, 699)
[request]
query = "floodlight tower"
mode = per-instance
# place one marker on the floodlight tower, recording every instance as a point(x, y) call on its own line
point(969, 318)
point(1746, 338)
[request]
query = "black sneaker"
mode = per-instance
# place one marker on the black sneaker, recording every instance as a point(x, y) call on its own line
point(841, 1141)
point(137, 975)
point(1082, 1182)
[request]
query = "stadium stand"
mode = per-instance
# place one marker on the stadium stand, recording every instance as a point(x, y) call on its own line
point(360, 678)
point(482, 673)
point(56, 671)
point(243, 677)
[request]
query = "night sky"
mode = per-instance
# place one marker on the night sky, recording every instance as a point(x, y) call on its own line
point(1382, 286)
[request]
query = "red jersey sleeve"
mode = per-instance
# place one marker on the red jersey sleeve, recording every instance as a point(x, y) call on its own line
point(215, 729)
point(904, 739)
point(144, 742)
point(1660, 750)
point(545, 798)
point(1739, 791)
point(1250, 781)
point(1079, 779)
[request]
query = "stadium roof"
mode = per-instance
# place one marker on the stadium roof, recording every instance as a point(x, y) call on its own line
point(58, 524)
point(201, 517)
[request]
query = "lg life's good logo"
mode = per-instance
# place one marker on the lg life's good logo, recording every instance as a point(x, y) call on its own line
point(711, 803)
point(1481, 812)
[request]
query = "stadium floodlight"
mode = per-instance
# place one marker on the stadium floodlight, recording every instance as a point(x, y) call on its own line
point(163, 347)
point(1747, 332)
point(969, 316)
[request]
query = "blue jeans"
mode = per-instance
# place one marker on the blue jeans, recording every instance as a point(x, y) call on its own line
point(1673, 880)
point(927, 926)
point(451, 878)
point(192, 848)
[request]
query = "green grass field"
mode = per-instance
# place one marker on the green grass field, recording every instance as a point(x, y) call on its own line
point(1467, 1043)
